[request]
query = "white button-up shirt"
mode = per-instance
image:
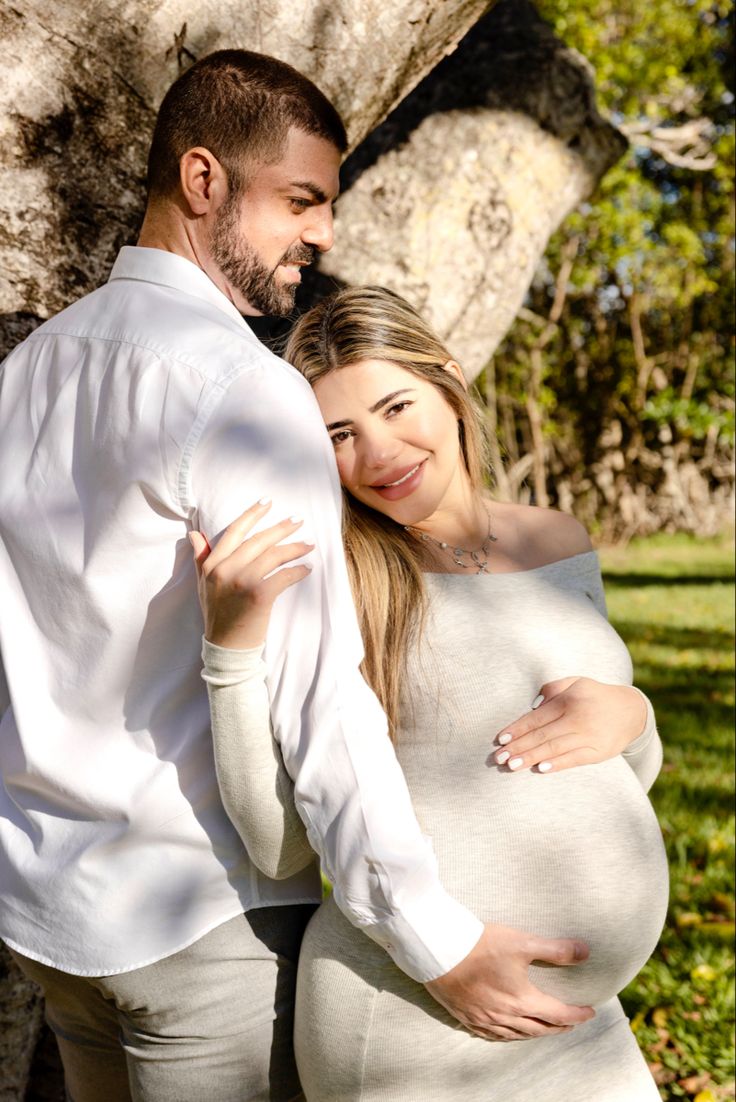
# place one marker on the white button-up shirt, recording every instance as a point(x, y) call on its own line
point(142, 411)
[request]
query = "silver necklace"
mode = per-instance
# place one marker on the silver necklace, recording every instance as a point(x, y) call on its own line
point(478, 559)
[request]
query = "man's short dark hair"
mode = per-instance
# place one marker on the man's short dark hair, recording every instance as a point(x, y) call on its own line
point(239, 105)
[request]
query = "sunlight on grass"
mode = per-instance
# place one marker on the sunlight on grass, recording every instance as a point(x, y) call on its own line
point(672, 600)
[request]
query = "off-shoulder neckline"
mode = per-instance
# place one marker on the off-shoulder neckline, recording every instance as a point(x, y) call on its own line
point(516, 573)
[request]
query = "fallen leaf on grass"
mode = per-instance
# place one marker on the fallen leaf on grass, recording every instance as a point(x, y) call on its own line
point(724, 931)
point(694, 1083)
point(662, 1074)
point(703, 973)
point(688, 918)
point(721, 901)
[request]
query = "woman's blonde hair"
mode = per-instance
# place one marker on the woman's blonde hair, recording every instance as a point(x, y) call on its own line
point(384, 561)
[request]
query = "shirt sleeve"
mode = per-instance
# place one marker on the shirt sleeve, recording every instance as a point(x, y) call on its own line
point(644, 754)
point(266, 438)
point(257, 792)
point(4, 690)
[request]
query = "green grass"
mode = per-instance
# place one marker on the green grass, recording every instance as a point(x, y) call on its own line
point(672, 600)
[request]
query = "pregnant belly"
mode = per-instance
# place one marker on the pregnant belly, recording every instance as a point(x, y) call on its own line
point(575, 854)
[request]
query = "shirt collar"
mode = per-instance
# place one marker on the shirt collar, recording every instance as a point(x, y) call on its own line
point(171, 270)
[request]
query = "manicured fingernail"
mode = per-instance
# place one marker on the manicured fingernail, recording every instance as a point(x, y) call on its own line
point(537, 701)
point(190, 537)
point(295, 520)
point(264, 501)
point(503, 739)
point(503, 757)
point(544, 766)
point(515, 763)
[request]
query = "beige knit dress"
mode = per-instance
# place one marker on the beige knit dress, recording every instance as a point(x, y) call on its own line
point(570, 854)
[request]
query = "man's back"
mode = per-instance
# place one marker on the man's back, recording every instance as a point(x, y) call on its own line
point(110, 795)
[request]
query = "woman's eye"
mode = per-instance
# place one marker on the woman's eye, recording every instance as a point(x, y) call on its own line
point(397, 408)
point(339, 437)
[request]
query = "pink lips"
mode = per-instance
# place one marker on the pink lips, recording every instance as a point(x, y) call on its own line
point(403, 489)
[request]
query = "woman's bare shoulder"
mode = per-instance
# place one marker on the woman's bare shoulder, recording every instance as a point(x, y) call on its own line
point(553, 534)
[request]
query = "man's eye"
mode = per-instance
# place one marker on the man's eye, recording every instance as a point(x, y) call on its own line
point(300, 204)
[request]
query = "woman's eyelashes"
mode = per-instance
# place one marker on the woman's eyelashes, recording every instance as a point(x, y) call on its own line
point(341, 436)
point(398, 407)
point(390, 412)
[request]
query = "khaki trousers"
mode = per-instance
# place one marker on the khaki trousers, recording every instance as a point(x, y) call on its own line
point(212, 1023)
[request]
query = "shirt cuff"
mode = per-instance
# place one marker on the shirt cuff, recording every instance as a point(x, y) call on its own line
point(417, 939)
point(650, 728)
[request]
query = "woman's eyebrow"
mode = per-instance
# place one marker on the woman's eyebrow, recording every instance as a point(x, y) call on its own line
point(374, 409)
point(389, 398)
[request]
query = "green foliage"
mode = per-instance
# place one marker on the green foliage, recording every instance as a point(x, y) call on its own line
point(672, 600)
point(645, 340)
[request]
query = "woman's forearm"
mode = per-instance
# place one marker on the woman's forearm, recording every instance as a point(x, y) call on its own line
point(256, 790)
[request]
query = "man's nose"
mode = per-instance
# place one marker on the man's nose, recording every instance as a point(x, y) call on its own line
point(320, 230)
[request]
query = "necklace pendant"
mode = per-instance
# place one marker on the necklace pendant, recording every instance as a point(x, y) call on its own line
point(483, 567)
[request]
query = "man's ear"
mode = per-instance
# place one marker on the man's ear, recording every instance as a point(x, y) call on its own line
point(203, 180)
point(455, 369)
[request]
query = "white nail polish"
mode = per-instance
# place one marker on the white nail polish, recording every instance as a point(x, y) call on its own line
point(296, 520)
point(264, 500)
point(537, 701)
point(544, 766)
point(515, 763)
point(503, 739)
point(503, 758)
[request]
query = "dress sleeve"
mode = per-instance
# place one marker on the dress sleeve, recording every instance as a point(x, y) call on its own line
point(257, 792)
point(644, 754)
point(266, 438)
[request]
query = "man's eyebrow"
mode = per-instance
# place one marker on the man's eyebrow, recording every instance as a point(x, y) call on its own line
point(316, 192)
point(374, 409)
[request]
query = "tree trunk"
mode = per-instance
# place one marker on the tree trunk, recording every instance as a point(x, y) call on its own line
point(452, 201)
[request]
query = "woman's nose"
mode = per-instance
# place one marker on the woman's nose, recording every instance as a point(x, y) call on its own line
point(379, 448)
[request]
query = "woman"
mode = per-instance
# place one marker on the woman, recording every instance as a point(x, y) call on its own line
point(467, 607)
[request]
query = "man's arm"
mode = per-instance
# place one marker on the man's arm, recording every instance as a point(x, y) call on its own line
point(266, 438)
point(4, 690)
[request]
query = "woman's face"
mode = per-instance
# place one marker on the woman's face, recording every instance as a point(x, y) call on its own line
point(395, 438)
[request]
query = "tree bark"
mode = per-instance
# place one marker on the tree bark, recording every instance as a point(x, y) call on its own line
point(453, 199)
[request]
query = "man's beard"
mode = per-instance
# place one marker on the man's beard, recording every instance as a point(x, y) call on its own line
point(243, 267)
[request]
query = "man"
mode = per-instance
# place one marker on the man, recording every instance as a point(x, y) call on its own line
point(141, 412)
